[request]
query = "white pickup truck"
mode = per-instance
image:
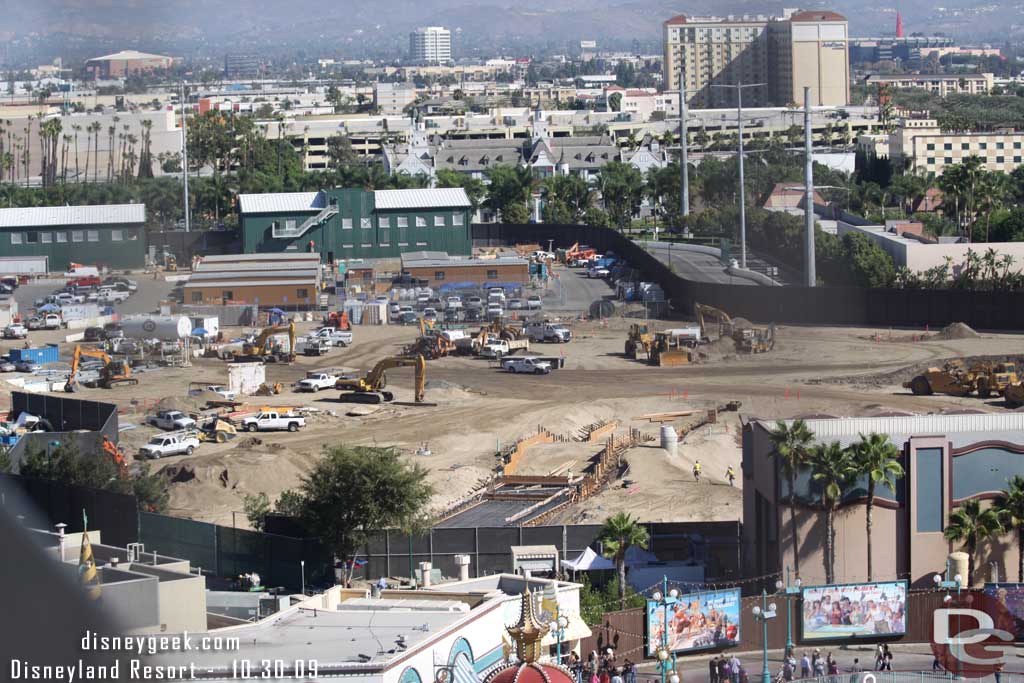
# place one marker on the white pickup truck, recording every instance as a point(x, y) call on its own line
point(334, 336)
point(316, 381)
point(184, 441)
point(497, 348)
point(312, 346)
point(548, 332)
point(171, 419)
point(111, 296)
point(270, 421)
point(528, 365)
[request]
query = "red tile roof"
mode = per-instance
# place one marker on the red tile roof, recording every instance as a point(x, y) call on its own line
point(677, 19)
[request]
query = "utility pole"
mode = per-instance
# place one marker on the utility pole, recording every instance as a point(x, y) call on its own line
point(809, 189)
point(184, 154)
point(739, 86)
point(684, 175)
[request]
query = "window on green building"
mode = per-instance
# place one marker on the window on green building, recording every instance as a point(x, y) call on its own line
point(131, 235)
point(32, 237)
point(62, 236)
point(346, 223)
point(456, 219)
point(438, 221)
point(384, 221)
point(17, 238)
point(492, 275)
point(366, 223)
point(92, 235)
point(403, 221)
point(77, 236)
point(116, 235)
point(46, 237)
point(421, 221)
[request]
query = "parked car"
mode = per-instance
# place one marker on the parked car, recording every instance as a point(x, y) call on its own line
point(597, 272)
point(35, 323)
point(494, 311)
point(534, 302)
point(451, 315)
point(422, 299)
point(111, 296)
point(170, 444)
point(68, 299)
point(515, 304)
point(454, 302)
point(118, 282)
point(474, 302)
point(93, 334)
point(270, 420)
point(171, 419)
point(223, 392)
point(409, 318)
point(430, 314)
point(113, 331)
point(27, 366)
point(528, 364)
point(7, 366)
point(15, 331)
point(316, 381)
point(334, 336)
point(548, 332)
point(472, 315)
point(86, 281)
point(394, 310)
point(52, 321)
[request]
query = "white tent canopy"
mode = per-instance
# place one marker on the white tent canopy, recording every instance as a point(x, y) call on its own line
point(588, 561)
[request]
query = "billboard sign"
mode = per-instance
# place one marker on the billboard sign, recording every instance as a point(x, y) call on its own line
point(1011, 596)
point(697, 621)
point(856, 610)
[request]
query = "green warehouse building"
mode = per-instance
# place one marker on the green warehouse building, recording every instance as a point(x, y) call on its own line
point(355, 223)
point(111, 235)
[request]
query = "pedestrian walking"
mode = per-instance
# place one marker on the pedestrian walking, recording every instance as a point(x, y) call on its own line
point(818, 664)
point(730, 474)
point(617, 676)
point(629, 671)
point(713, 670)
point(594, 678)
point(832, 665)
point(743, 674)
point(696, 471)
point(787, 670)
point(723, 666)
point(805, 666)
point(856, 668)
point(734, 665)
point(936, 665)
point(886, 658)
point(604, 677)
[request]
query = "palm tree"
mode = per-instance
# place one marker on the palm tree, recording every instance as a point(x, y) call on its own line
point(970, 524)
point(791, 445)
point(618, 534)
point(831, 465)
point(1011, 509)
point(878, 459)
point(77, 128)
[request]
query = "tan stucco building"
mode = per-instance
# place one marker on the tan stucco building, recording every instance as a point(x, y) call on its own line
point(923, 145)
point(947, 459)
point(802, 48)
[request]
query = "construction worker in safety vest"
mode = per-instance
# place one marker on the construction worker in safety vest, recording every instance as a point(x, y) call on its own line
point(696, 470)
point(730, 474)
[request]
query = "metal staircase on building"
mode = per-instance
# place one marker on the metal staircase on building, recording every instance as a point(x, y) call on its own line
point(319, 219)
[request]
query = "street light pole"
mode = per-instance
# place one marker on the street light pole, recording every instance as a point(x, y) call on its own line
point(184, 154)
point(743, 193)
point(763, 613)
point(665, 598)
point(302, 563)
point(789, 589)
point(812, 277)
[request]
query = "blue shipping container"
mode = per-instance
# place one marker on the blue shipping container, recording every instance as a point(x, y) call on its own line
point(47, 354)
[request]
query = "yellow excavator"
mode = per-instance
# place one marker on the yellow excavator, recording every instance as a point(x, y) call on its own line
point(113, 373)
point(260, 349)
point(371, 388)
point(747, 339)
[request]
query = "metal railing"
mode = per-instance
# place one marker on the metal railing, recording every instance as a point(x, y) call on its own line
point(325, 214)
point(908, 677)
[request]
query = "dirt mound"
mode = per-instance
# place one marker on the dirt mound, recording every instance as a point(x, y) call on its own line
point(185, 405)
point(249, 442)
point(720, 348)
point(741, 322)
point(957, 331)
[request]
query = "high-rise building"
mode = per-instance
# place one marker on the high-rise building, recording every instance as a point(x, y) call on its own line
point(430, 45)
point(242, 65)
point(784, 53)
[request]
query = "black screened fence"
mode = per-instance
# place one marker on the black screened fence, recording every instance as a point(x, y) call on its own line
point(795, 304)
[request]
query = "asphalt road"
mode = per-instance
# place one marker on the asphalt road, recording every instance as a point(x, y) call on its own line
point(573, 291)
point(693, 265)
point(146, 300)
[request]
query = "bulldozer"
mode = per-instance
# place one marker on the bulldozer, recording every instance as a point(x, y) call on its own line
point(371, 388)
point(639, 341)
point(668, 350)
point(260, 350)
point(952, 379)
point(113, 373)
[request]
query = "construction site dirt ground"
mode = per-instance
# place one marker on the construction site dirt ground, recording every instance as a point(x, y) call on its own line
point(473, 409)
